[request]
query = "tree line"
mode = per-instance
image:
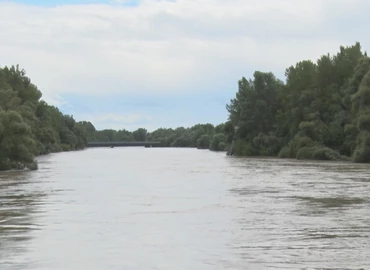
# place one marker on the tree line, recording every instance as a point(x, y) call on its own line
point(321, 111)
point(29, 126)
point(201, 136)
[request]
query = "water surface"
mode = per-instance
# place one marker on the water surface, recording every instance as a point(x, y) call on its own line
point(142, 208)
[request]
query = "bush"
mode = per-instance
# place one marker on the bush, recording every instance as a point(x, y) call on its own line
point(55, 148)
point(244, 148)
point(33, 166)
point(351, 130)
point(364, 122)
point(183, 141)
point(222, 146)
point(326, 153)
point(308, 129)
point(65, 147)
point(348, 147)
point(362, 151)
point(5, 164)
point(203, 142)
point(267, 145)
point(303, 141)
point(41, 149)
point(362, 154)
point(215, 142)
point(318, 153)
point(285, 152)
point(298, 142)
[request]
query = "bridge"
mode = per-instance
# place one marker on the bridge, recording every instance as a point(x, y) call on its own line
point(122, 144)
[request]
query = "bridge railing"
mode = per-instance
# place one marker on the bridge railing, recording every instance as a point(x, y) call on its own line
point(122, 144)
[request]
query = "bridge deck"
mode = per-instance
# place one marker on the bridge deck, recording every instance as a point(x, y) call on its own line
point(122, 144)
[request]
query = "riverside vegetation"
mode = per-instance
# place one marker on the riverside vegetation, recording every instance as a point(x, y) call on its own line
point(29, 126)
point(321, 111)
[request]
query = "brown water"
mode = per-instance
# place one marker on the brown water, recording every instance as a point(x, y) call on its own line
point(138, 208)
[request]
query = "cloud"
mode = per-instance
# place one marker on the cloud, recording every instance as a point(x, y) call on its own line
point(171, 48)
point(122, 119)
point(117, 121)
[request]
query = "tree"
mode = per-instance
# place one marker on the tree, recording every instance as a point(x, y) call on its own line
point(16, 144)
point(204, 142)
point(29, 126)
point(218, 142)
point(361, 106)
point(321, 112)
point(140, 134)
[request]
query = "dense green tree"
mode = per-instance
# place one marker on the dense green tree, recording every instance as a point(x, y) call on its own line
point(29, 126)
point(16, 143)
point(253, 113)
point(125, 136)
point(182, 141)
point(218, 142)
point(361, 107)
point(203, 142)
point(140, 135)
point(321, 112)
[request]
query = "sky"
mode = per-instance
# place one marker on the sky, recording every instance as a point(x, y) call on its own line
point(125, 64)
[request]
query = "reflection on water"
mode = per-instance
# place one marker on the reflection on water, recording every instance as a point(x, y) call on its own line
point(18, 204)
point(332, 202)
point(137, 208)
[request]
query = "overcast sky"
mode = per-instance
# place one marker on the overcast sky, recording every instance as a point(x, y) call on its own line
point(152, 63)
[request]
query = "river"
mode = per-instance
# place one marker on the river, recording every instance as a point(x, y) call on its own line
point(168, 209)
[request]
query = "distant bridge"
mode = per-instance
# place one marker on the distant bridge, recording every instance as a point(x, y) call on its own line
point(122, 144)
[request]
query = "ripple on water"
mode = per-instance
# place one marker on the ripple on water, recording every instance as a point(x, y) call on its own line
point(185, 209)
point(316, 212)
point(332, 202)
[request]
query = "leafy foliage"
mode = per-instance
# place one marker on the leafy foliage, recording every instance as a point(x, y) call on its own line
point(218, 142)
point(322, 111)
point(203, 142)
point(29, 126)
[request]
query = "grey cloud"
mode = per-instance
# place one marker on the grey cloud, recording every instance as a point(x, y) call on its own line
point(162, 47)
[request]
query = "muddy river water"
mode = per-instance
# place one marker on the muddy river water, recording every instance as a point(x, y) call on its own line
point(168, 209)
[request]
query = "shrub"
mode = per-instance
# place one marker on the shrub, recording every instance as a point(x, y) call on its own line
point(216, 140)
point(318, 153)
point(362, 152)
point(33, 166)
point(285, 152)
point(183, 141)
point(244, 148)
point(267, 145)
point(364, 122)
point(222, 146)
point(203, 142)
point(55, 148)
point(65, 147)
